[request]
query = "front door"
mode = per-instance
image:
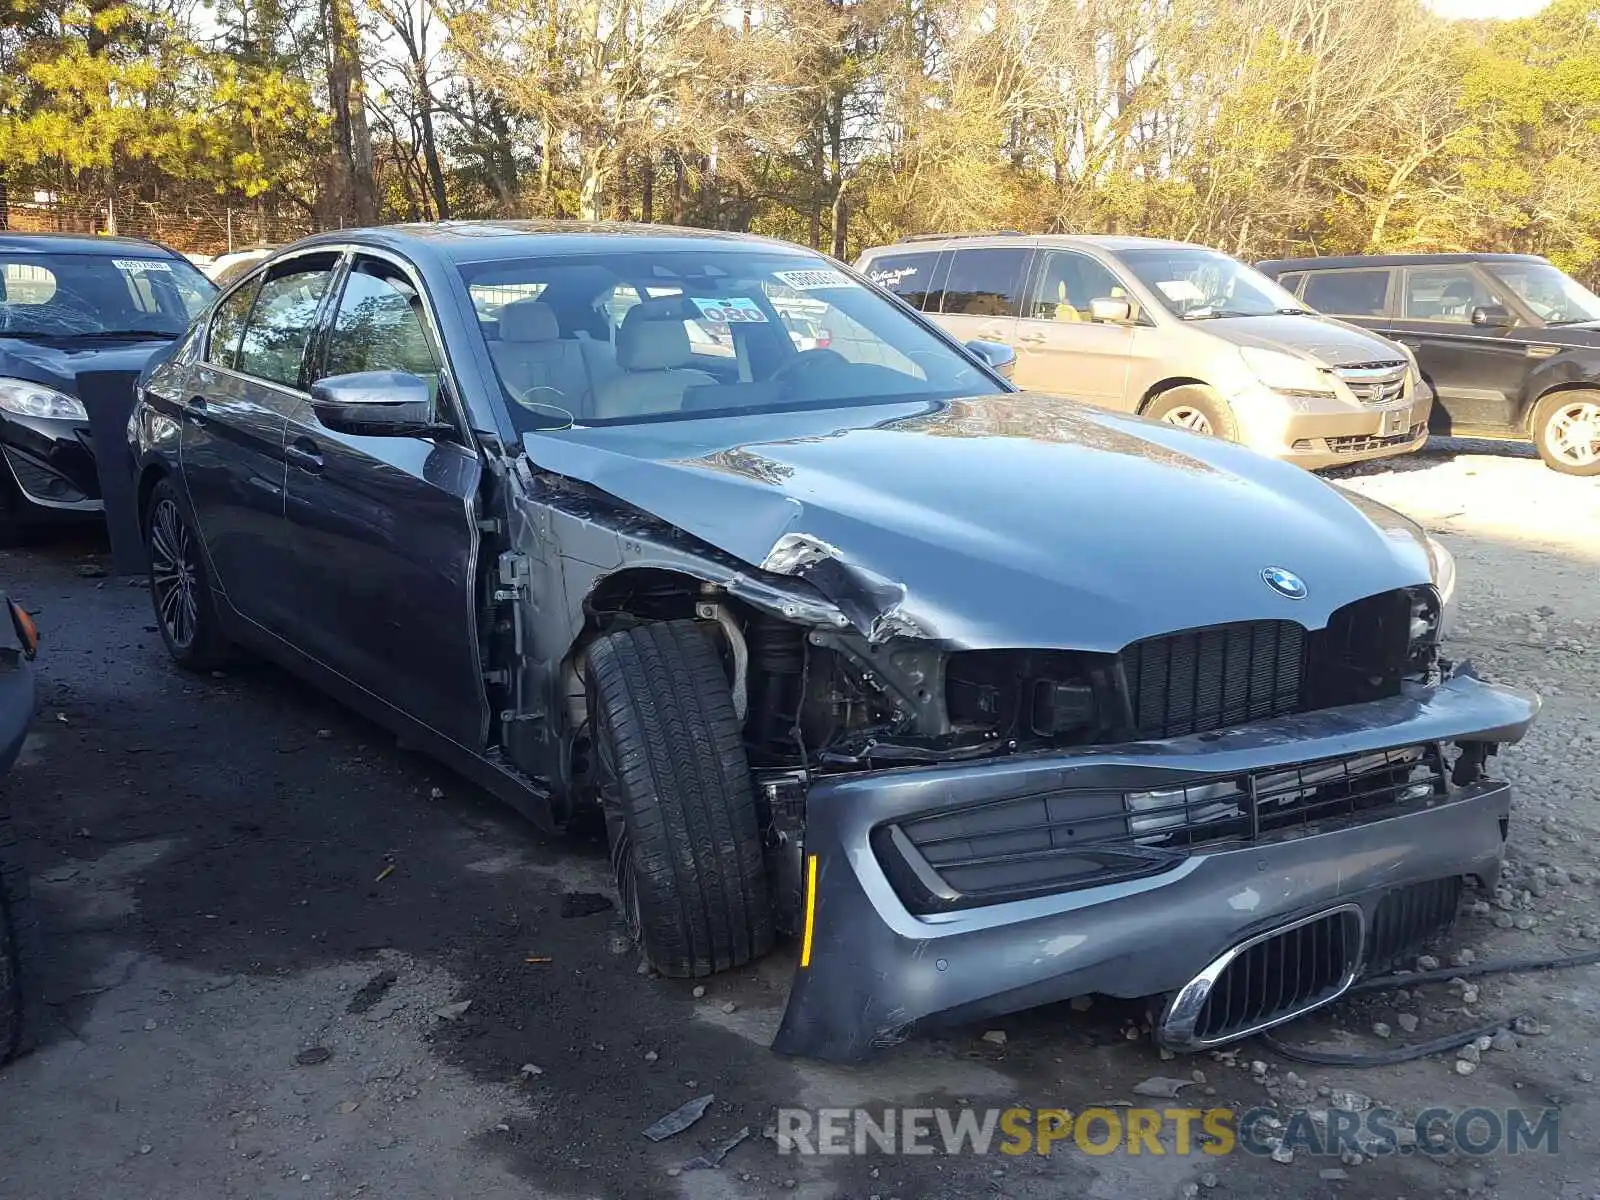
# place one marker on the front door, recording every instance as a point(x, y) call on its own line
point(234, 404)
point(1060, 346)
point(384, 530)
point(1478, 372)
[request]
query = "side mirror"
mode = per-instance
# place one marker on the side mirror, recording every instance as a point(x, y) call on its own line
point(377, 403)
point(1109, 311)
point(1002, 359)
point(1493, 316)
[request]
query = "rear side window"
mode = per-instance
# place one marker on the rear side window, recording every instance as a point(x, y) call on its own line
point(909, 276)
point(1347, 293)
point(226, 327)
point(1290, 282)
point(986, 282)
point(274, 344)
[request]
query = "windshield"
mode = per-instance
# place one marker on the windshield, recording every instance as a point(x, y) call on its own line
point(645, 335)
point(84, 295)
point(1555, 296)
point(1196, 284)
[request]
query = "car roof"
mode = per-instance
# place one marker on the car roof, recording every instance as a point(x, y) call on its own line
point(83, 243)
point(490, 241)
point(1103, 241)
point(1388, 260)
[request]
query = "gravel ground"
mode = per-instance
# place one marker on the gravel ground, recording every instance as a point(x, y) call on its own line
point(244, 999)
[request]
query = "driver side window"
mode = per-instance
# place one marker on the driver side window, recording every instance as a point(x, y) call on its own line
point(380, 326)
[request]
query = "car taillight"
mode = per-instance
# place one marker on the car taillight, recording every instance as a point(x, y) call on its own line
point(823, 339)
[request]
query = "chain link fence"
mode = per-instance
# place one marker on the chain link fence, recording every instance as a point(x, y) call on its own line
point(187, 226)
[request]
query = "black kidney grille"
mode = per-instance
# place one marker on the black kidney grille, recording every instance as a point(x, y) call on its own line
point(1214, 677)
point(1286, 973)
point(1408, 918)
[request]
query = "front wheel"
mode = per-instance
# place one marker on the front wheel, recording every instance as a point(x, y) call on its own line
point(1197, 408)
point(180, 589)
point(678, 799)
point(1566, 432)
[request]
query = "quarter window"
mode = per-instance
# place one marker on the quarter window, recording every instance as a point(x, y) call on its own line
point(986, 282)
point(227, 325)
point(1347, 293)
point(275, 339)
point(1067, 284)
point(1445, 294)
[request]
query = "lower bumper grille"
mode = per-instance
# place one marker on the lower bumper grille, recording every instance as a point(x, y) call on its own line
point(39, 482)
point(1408, 918)
point(1055, 841)
point(1360, 443)
point(1270, 979)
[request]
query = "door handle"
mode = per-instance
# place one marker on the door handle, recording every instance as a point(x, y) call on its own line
point(195, 410)
point(302, 452)
point(1412, 343)
point(991, 334)
point(1033, 339)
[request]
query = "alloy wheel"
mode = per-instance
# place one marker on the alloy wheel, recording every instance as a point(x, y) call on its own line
point(1573, 433)
point(174, 574)
point(1186, 417)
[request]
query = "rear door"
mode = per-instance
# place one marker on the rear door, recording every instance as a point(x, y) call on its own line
point(983, 292)
point(234, 409)
point(1478, 372)
point(1060, 346)
point(383, 530)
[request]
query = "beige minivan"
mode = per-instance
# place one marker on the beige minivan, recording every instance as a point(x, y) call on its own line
point(1177, 332)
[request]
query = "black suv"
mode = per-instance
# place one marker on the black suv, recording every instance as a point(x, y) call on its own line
point(1510, 343)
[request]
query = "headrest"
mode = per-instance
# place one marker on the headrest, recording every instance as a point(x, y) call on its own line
point(652, 340)
point(528, 321)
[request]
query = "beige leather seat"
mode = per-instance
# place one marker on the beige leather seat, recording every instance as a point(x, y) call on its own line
point(531, 356)
point(652, 352)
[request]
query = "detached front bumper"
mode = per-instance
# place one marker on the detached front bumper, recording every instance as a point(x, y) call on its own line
point(872, 969)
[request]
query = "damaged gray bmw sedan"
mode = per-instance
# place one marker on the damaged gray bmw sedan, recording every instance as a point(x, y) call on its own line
point(980, 699)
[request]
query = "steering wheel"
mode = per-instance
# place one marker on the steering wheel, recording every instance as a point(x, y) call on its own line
point(805, 362)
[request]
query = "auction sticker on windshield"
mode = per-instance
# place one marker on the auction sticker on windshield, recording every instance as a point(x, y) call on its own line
point(732, 310)
point(140, 264)
point(812, 281)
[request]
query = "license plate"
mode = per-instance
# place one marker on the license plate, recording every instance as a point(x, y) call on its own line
point(1395, 422)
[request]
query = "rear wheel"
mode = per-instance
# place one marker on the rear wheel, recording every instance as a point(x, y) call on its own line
point(180, 588)
point(1566, 431)
point(679, 804)
point(1195, 407)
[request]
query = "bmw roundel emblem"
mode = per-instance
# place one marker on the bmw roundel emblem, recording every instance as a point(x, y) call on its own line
point(1285, 583)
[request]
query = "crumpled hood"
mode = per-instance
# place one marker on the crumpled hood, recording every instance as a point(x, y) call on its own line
point(59, 365)
point(1017, 520)
point(1329, 342)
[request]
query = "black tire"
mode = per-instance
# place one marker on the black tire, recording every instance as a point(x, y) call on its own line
point(18, 946)
point(1547, 417)
point(679, 804)
point(180, 586)
point(1199, 399)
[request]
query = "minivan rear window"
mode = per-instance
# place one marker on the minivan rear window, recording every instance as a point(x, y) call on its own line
point(909, 276)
